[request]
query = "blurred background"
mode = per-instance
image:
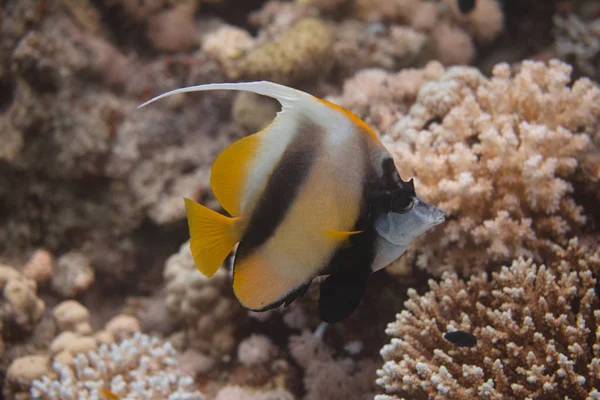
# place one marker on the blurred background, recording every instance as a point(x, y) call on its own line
point(92, 222)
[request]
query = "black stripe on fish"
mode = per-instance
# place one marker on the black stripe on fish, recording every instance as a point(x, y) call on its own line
point(282, 188)
point(349, 270)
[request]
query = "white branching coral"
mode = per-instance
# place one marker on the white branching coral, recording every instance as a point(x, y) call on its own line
point(328, 377)
point(537, 330)
point(499, 157)
point(141, 367)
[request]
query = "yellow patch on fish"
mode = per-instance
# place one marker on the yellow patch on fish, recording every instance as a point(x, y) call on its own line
point(108, 394)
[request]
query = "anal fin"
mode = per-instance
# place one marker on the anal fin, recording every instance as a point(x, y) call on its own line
point(259, 287)
point(298, 293)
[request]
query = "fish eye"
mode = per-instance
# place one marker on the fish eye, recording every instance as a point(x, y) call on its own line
point(402, 202)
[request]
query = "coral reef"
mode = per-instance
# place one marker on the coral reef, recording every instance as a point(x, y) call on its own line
point(204, 307)
point(499, 156)
point(303, 51)
point(91, 190)
point(239, 393)
point(21, 309)
point(537, 330)
point(326, 377)
point(578, 42)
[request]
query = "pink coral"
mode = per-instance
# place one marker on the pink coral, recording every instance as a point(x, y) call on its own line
point(173, 29)
point(454, 45)
point(499, 157)
point(486, 20)
point(326, 377)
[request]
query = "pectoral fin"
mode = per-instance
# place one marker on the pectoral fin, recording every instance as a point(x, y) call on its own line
point(341, 294)
point(339, 235)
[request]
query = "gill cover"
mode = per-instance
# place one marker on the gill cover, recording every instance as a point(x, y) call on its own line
point(400, 228)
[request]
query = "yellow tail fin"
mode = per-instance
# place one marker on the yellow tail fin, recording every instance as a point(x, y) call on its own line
point(212, 236)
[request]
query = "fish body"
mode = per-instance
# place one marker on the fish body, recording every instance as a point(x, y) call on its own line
point(461, 338)
point(314, 193)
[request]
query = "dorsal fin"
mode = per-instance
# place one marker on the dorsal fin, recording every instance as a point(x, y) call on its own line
point(229, 172)
point(287, 96)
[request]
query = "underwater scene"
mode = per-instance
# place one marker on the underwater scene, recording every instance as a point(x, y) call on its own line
point(300, 199)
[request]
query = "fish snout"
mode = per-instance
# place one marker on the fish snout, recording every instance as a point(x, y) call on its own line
point(437, 216)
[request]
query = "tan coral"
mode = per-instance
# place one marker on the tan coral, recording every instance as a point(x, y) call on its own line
point(19, 306)
point(122, 325)
point(173, 29)
point(233, 392)
point(254, 112)
point(39, 266)
point(204, 306)
point(381, 97)
point(389, 10)
point(499, 157)
point(485, 21)
point(22, 372)
point(359, 45)
point(73, 274)
point(227, 44)
point(302, 52)
point(72, 343)
point(537, 331)
point(71, 315)
point(454, 45)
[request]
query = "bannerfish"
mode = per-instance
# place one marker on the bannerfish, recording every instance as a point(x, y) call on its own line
point(461, 338)
point(314, 193)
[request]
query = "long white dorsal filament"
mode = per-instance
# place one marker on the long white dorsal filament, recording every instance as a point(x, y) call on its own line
point(287, 96)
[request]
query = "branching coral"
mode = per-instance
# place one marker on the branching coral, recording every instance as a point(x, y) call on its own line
point(381, 97)
point(453, 32)
point(326, 377)
point(81, 170)
point(359, 45)
point(578, 42)
point(232, 392)
point(141, 367)
point(537, 329)
point(498, 156)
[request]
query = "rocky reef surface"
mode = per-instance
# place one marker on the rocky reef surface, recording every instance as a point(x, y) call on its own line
point(100, 297)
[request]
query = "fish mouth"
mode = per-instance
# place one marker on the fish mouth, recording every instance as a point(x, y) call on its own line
point(437, 216)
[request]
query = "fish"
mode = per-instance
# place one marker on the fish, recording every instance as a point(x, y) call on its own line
point(315, 193)
point(461, 338)
point(466, 6)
